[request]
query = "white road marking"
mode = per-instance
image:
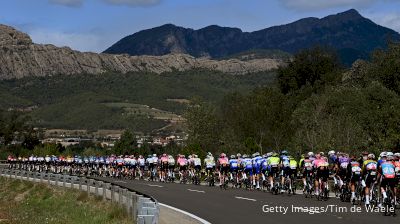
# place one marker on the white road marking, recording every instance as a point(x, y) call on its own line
point(120, 181)
point(248, 199)
point(186, 213)
point(154, 185)
point(196, 191)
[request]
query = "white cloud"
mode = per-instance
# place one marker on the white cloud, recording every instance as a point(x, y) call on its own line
point(69, 3)
point(133, 3)
point(391, 20)
point(76, 41)
point(324, 4)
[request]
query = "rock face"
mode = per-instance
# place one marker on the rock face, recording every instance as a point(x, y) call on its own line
point(20, 57)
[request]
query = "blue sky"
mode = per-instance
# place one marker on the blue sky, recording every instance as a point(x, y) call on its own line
point(94, 25)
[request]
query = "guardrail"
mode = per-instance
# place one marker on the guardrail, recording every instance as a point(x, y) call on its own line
point(140, 207)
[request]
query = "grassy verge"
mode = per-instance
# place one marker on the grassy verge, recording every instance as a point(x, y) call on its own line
point(27, 202)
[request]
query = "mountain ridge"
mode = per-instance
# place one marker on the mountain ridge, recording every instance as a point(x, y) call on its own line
point(20, 57)
point(341, 31)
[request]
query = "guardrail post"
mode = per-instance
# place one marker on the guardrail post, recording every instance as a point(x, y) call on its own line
point(88, 186)
point(80, 183)
point(64, 180)
point(120, 199)
point(112, 193)
point(96, 187)
point(105, 187)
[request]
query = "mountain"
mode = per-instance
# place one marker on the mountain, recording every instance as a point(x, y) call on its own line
point(352, 35)
point(20, 57)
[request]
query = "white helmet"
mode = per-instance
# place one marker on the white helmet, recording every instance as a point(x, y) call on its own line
point(331, 152)
point(371, 156)
point(397, 154)
point(310, 154)
point(383, 154)
point(389, 154)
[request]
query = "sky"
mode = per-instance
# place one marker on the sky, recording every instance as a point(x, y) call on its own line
point(94, 25)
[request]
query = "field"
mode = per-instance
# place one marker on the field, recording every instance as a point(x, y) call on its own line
point(26, 202)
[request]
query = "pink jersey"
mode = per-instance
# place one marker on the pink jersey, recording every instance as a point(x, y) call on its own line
point(164, 159)
point(223, 161)
point(182, 161)
point(317, 163)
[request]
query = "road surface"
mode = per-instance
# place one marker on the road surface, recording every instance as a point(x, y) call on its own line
point(241, 206)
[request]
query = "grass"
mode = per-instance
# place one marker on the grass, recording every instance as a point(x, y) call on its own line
point(26, 202)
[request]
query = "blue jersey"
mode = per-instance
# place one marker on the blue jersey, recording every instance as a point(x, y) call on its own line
point(257, 161)
point(233, 164)
point(285, 161)
point(264, 164)
point(248, 164)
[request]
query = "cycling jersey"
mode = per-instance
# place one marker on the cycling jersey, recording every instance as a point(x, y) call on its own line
point(370, 167)
point(209, 162)
point(293, 164)
point(388, 170)
point(141, 161)
point(196, 161)
point(273, 161)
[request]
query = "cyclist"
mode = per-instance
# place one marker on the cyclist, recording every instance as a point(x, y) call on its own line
point(285, 165)
point(387, 173)
point(171, 167)
point(164, 166)
point(354, 175)
point(223, 167)
point(183, 163)
point(273, 164)
point(306, 167)
point(233, 169)
point(341, 168)
point(369, 173)
point(320, 165)
point(248, 169)
point(197, 168)
point(209, 163)
point(257, 160)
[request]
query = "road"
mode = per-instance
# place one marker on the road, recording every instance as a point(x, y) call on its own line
point(241, 206)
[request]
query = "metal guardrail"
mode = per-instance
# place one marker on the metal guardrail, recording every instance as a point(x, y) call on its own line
point(140, 207)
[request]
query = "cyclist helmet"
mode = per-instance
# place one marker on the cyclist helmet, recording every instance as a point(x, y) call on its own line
point(331, 152)
point(310, 154)
point(389, 154)
point(256, 154)
point(371, 156)
point(383, 154)
point(195, 156)
point(245, 156)
point(238, 155)
point(190, 156)
point(269, 154)
point(397, 154)
point(164, 154)
point(209, 154)
point(222, 155)
point(284, 152)
point(389, 158)
point(321, 153)
point(233, 156)
point(274, 154)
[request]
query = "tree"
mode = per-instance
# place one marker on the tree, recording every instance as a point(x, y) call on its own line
point(203, 125)
point(125, 145)
point(314, 67)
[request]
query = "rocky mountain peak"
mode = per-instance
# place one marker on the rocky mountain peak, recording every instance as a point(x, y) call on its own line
point(11, 36)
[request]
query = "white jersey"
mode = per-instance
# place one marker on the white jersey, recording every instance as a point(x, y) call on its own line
point(196, 161)
point(141, 161)
point(171, 161)
point(155, 159)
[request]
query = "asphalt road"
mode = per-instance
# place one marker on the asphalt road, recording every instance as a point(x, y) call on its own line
point(241, 206)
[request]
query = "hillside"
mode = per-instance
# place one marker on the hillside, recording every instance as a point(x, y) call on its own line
point(140, 101)
point(352, 35)
point(20, 57)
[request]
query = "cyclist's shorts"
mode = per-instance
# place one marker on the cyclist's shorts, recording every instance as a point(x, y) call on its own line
point(182, 168)
point(257, 170)
point(307, 173)
point(391, 182)
point(197, 168)
point(370, 179)
point(354, 178)
point(248, 171)
point(224, 169)
point(234, 170)
point(274, 170)
point(322, 174)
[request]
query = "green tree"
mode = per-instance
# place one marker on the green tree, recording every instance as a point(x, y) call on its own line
point(126, 144)
point(313, 67)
